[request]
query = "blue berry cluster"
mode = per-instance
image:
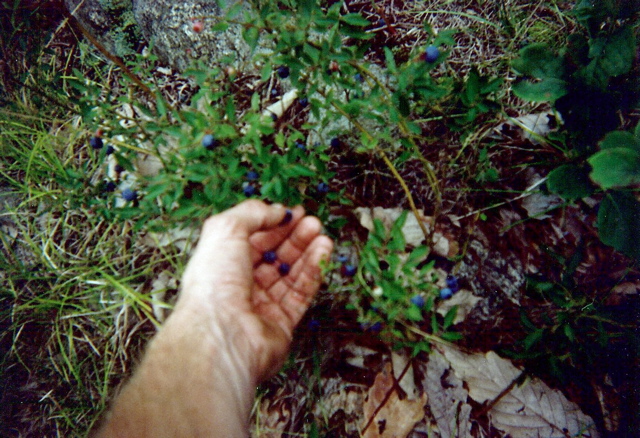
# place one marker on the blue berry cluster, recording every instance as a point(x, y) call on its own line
point(452, 287)
point(249, 188)
point(347, 269)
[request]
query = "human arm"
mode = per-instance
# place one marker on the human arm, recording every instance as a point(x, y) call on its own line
point(231, 327)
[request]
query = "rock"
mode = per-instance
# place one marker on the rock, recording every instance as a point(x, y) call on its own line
point(167, 25)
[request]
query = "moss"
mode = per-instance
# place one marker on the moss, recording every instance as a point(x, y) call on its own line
point(125, 31)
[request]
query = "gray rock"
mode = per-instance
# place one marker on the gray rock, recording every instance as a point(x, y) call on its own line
point(168, 26)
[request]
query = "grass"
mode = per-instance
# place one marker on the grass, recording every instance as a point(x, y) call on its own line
point(79, 294)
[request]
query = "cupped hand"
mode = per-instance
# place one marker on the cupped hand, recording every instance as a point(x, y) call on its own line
point(255, 303)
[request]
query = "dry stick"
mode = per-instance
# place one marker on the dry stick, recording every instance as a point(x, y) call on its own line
point(387, 396)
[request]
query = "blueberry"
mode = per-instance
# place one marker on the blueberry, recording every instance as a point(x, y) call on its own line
point(301, 146)
point(452, 283)
point(109, 187)
point(96, 142)
point(303, 102)
point(313, 325)
point(274, 92)
point(252, 175)
point(283, 71)
point(335, 142)
point(249, 190)
point(358, 77)
point(119, 168)
point(323, 188)
point(288, 215)
point(375, 328)
point(284, 268)
point(109, 149)
point(446, 293)
point(129, 195)
point(381, 22)
point(274, 117)
point(209, 141)
point(348, 270)
point(431, 54)
point(269, 257)
point(343, 258)
point(417, 300)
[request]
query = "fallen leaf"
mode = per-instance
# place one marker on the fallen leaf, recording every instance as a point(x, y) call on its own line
point(529, 410)
point(182, 238)
point(447, 398)
point(465, 301)
point(396, 418)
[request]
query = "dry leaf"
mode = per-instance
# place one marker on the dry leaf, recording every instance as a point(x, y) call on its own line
point(182, 238)
point(400, 361)
point(396, 418)
point(465, 301)
point(530, 410)
point(447, 398)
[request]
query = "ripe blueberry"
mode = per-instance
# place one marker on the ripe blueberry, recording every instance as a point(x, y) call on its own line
point(431, 54)
point(109, 187)
point(335, 142)
point(284, 268)
point(303, 102)
point(283, 71)
point(109, 149)
point(452, 283)
point(342, 258)
point(269, 257)
point(446, 293)
point(209, 141)
point(313, 325)
point(252, 175)
point(274, 117)
point(129, 195)
point(96, 142)
point(274, 92)
point(358, 77)
point(301, 146)
point(118, 168)
point(418, 300)
point(348, 270)
point(381, 23)
point(288, 215)
point(249, 190)
point(323, 188)
point(375, 328)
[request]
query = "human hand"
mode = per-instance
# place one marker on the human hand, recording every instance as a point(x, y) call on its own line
point(254, 305)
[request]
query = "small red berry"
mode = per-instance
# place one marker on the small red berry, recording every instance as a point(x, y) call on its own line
point(198, 26)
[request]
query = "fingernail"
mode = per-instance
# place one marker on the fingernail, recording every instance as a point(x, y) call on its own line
point(288, 215)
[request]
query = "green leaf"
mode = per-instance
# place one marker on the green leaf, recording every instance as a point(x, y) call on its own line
point(355, 20)
point(251, 35)
point(449, 317)
point(391, 62)
point(570, 182)
point(620, 139)
point(547, 90)
point(619, 52)
point(619, 223)
point(451, 336)
point(417, 255)
point(616, 167)
point(220, 26)
point(413, 313)
point(539, 61)
point(533, 338)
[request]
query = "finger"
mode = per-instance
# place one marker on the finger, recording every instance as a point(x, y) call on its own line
point(267, 240)
point(295, 292)
point(289, 251)
point(247, 218)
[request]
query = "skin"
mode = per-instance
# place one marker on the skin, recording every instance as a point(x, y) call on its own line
point(230, 329)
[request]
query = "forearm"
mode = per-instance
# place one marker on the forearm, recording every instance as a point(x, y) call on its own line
point(193, 381)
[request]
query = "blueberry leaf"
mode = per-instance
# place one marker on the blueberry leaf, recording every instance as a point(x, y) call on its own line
point(616, 167)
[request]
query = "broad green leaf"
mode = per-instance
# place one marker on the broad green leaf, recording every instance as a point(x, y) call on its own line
point(413, 313)
point(617, 167)
point(391, 62)
point(539, 61)
point(570, 182)
point(450, 317)
point(547, 90)
point(220, 26)
point(355, 20)
point(619, 52)
point(620, 139)
point(619, 223)
point(251, 36)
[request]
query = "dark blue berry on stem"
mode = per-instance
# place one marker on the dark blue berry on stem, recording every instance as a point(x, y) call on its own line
point(335, 142)
point(119, 168)
point(381, 23)
point(301, 146)
point(96, 142)
point(269, 257)
point(283, 71)
point(431, 54)
point(323, 188)
point(452, 283)
point(129, 195)
point(342, 258)
point(376, 328)
point(284, 268)
point(109, 149)
point(418, 300)
point(274, 117)
point(358, 77)
point(288, 215)
point(303, 102)
point(446, 293)
point(348, 270)
point(109, 187)
point(249, 190)
point(209, 141)
point(252, 175)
